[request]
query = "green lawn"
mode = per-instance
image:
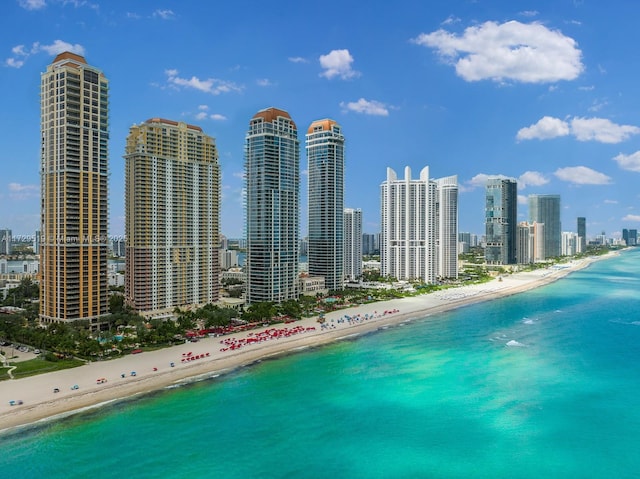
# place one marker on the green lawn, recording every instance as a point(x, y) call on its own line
point(39, 366)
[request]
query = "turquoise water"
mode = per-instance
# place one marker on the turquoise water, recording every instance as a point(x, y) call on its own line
point(443, 397)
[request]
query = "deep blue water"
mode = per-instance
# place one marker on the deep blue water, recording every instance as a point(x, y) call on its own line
point(442, 397)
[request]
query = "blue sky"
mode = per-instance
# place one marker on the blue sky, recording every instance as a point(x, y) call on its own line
point(543, 91)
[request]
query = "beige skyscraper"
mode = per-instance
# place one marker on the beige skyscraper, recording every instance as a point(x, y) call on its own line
point(172, 209)
point(74, 104)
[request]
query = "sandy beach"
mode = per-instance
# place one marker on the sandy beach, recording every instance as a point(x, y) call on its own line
point(105, 381)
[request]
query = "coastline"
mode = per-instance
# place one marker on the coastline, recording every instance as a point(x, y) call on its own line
point(153, 370)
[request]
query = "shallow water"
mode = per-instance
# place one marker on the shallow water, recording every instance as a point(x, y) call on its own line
point(541, 384)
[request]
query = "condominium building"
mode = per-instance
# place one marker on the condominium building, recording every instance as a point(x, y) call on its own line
point(272, 170)
point(325, 154)
point(530, 237)
point(501, 216)
point(74, 104)
point(417, 219)
point(546, 209)
point(172, 214)
point(447, 226)
point(352, 244)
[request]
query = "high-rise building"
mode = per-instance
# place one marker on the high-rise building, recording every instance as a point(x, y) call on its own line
point(370, 243)
point(569, 240)
point(415, 241)
point(501, 220)
point(352, 244)
point(5, 242)
point(447, 226)
point(546, 209)
point(172, 211)
point(325, 154)
point(272, 170)
point(582, 234)
point(530, 248)
point(74, 105)
point(630, 237)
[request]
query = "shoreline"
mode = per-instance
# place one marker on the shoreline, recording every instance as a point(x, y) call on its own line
point(138, 375)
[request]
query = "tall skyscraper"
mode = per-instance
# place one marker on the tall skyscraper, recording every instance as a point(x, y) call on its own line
point(74, 104)
point(546, 209)
point(501, 221)
point(325, 154)
point(447, 226)
point(5, 242)
point(272, 167)
point(417, 217)
point(582, 234)
point(352, 243)
point(172, 211)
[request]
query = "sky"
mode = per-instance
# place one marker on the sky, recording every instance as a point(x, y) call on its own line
point(545, 91)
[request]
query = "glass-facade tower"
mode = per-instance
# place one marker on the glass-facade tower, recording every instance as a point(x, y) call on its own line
point(74, 105)
point(501, 214)
point(325, 155)
point(546, 209)
point(272, 170)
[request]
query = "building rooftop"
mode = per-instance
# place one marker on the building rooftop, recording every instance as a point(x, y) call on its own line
point(326, 125)
point(172, 123)
point(271, 114)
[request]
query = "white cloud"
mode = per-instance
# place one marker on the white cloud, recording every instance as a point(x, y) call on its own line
point(480, 180)
point(582, 175)
point(529, 13)
point(13, 63)
point(164, 14)
point(523, 200)
point(59, 46)
point(338, 63)
point(583, 129)
point(201, 115)
point(547, 127)
point(598, 105)
point(210, 85)
point(611, 202)
point(628, 162)
point(264, 82)
point(531, 178)
point(298, 60)
point(450, 20)
point(602, 130)
point(529, 53)
point(368, 107)
point(19, 191)
point(21, 53)
point(217, 117)
point(203, 107)
point(631, 218)
point(32, 4)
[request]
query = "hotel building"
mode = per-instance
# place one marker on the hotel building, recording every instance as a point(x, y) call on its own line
point(74, 105)
point(172, 213)
point(325, 154)
point(272, 167)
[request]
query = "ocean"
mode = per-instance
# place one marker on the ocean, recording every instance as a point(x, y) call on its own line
point(543, 384)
